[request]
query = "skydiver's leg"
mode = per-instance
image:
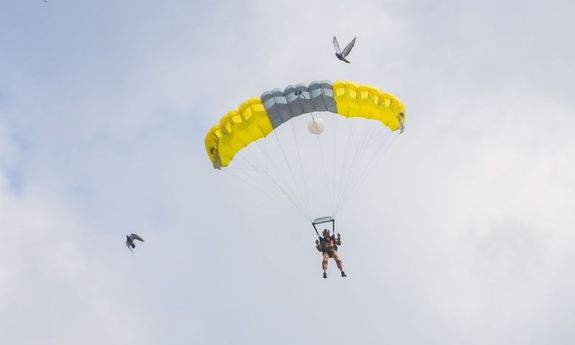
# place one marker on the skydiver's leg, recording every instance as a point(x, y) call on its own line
point(325, 257)
point(338, 263)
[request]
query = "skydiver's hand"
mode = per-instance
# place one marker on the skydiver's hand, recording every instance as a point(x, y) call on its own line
point(338, 235)
point(317, 242)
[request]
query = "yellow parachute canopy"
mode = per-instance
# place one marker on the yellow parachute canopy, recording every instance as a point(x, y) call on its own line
point(257, 117)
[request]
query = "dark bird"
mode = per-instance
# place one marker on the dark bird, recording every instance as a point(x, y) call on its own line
point(130, 241)
point(342, 54)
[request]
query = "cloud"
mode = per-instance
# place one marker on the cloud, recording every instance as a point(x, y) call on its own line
point(462, 235)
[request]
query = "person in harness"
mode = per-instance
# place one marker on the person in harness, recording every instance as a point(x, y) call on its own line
point(327, 245)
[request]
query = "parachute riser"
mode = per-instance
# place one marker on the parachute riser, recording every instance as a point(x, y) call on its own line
point(323, 220)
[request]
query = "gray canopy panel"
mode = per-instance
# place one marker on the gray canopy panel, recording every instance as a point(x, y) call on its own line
point(294, 100)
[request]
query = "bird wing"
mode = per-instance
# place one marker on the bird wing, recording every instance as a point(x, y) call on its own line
point(136, 237)
point(348, 48)
point(336, 45)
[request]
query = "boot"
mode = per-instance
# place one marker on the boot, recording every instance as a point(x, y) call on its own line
point(343, 274)
point(324, 275)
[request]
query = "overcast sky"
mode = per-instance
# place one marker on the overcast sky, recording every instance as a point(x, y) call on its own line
point(465, 236)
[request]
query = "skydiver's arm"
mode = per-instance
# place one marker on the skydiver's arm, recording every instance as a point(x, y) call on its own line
point(338, 240)
point(318, 246)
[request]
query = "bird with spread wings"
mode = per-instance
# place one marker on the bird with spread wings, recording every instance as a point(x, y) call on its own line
point(130, 241)
point(343, 54)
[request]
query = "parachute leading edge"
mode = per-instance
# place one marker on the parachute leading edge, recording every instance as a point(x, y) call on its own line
point(236, 130)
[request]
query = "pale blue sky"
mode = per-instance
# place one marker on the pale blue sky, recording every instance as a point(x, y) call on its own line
point(465, 237)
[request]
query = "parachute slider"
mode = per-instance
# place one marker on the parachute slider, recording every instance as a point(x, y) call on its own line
point(315, 126)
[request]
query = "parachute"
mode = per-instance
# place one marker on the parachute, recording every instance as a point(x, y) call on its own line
point(259, 117)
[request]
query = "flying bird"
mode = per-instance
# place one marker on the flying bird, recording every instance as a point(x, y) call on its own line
point(342, 54)
point(130, 241)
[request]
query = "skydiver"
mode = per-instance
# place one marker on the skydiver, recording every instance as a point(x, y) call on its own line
point(342, 55)
point(327, 245)
point(130, 241)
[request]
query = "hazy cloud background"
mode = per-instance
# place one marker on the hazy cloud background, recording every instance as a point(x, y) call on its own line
point(103, 110)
